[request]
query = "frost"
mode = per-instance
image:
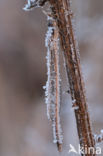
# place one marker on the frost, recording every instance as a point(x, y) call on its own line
point(48, 83)
point(30, 5)
point(33, 3)
point(76, 108)
point(99, 138)
point(44, 87)
point(102, 131)
point(48, 37)
point(74, 101)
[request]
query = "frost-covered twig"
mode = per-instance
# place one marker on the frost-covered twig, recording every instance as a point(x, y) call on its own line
point(53, 82)
point(62, 24)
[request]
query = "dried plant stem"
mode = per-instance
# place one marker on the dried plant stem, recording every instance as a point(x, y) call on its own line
point(61, 26)
point(53, 82)
point(62, 15)
point(57, 118)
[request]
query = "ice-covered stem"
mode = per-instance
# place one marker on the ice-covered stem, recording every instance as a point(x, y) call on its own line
point(99, 138)
point(63, 17)
point(53, 82)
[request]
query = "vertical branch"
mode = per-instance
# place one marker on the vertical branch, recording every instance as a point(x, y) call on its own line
point(62, 15)
point(53, 82)
point(57, 120)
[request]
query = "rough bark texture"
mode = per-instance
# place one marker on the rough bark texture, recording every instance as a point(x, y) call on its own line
point(62, 15)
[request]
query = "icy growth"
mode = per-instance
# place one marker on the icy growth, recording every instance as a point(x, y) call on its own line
point(48, 38)
point(48, 83)
point(99, 138)
point(44, 87)
point(76, 108)
point(74, 101)
point(30, 5)
point(102, 131)
point(33, 3)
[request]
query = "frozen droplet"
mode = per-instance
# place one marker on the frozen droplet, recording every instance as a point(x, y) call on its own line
point(75, 107)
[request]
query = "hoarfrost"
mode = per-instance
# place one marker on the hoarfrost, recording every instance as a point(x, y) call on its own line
point(76, 108)
point(30, 5)
point(74, 101)
point(102, 131)
point(99, 138)
point(33, 3)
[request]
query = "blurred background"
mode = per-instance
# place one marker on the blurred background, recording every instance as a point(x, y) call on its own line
point(24, 128)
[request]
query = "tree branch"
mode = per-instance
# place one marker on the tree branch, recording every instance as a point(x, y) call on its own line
point(62, 15)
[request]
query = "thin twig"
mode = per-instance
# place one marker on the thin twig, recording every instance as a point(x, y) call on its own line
point(62, 15)
point(53, 82)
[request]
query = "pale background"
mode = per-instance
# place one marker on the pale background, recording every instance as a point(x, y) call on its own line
point(24, 128)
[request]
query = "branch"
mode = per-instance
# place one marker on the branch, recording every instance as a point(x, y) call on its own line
point(53, 82)
point(62, 15)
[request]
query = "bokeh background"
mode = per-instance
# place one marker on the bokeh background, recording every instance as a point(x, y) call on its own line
point(24, 128)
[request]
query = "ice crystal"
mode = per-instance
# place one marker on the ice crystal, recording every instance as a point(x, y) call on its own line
point(33, 3)
point(76, 108)
point(101, 131)
point(74, 101)
point(99, 138)
point(30, 5)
